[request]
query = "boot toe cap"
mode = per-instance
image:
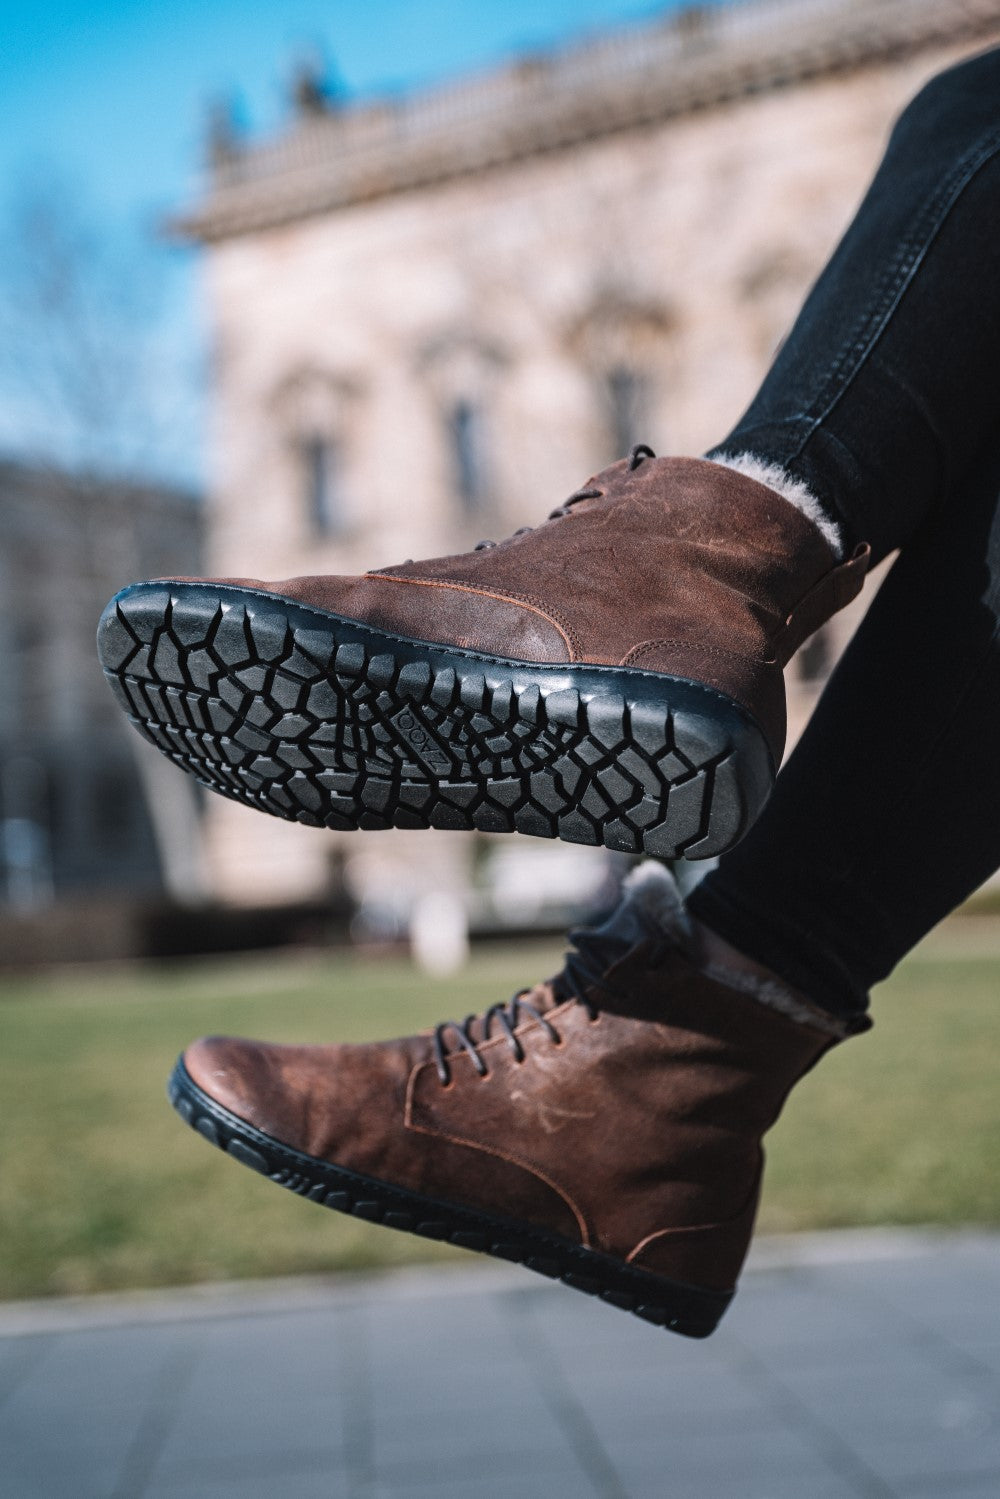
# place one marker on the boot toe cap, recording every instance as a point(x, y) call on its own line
point(237, 1074)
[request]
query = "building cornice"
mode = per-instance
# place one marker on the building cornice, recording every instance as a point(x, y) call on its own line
point(690, 60)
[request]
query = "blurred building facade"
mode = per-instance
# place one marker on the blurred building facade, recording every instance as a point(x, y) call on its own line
point(85, 806)
point(434, 317)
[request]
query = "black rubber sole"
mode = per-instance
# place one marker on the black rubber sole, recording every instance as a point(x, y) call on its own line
point(325, 721)
point(689, 1310)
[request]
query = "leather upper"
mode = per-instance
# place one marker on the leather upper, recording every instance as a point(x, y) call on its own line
point(637, 1133)
point(671, 565)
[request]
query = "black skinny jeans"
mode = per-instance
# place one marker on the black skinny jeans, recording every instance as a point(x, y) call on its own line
point(885, 401)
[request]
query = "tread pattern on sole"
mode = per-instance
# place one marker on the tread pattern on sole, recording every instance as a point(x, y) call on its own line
point(328, 722)
point(688, 1310)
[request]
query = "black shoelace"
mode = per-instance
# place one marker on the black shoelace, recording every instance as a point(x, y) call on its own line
point(582, 975)
point(636, 455)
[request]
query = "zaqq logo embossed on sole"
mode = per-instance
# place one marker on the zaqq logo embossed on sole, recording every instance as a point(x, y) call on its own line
point(419, 740)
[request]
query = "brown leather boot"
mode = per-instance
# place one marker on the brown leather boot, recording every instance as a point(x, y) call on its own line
point(613, 676)
point(603, 1128)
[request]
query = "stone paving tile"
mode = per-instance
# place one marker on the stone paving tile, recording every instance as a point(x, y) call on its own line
point(760, 1454)
point(974, 1333)
point(18, 1357)
point(30, 1475)
point(436, 1384)
point(793, 1483)
point(955, 1290)
point(640, 1398)
point(77, 1423)
point(921, 1408)
point(806, 1321)
point(260, 1385)
point(986, 1353)
point(655, 1426)
point(529, 1483)
point(951, 1486)
point(328, 1483)
point(256, 1467)
point(497, 1433)
point(904, 1457)
point(579, 1324)
point(454, 1404)
point(433, 1334)
point(821, 1384)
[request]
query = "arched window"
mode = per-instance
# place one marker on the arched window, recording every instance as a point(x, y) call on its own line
point(460, 371)
point(466, 428)
point(316, 414)
point(628, 401)
point(625, 343)
point(321, 486)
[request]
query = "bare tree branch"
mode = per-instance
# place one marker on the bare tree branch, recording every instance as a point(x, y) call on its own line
point(89, 379)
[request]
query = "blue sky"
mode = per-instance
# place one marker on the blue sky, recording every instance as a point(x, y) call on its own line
point(112, 94)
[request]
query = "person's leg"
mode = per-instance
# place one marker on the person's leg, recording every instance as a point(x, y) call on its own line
point(888, 812)
point(889, 383)
point(508, 688)
point(605, 1127)
point(602, 1128)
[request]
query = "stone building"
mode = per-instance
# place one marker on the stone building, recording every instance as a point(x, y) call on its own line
point(86, 807)
point(434, 316)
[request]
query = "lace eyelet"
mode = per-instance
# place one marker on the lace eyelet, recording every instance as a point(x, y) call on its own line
point(637, 453)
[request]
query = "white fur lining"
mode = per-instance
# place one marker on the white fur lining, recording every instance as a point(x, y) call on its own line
point(653, 888)
point(774, 996)
point(792, 490)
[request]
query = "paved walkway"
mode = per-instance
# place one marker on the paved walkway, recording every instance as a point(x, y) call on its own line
point(850, 1365)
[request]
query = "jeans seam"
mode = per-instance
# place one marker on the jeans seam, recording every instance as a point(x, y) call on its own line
point(899, 276)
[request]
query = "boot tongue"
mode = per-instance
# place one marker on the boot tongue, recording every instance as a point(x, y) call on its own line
point(539, 1000)
point(649, 913)
point(543, 997)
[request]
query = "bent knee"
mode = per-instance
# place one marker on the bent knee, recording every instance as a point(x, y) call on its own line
point(960, 100)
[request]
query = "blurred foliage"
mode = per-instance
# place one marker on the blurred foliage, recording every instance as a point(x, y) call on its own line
point(102, 1187)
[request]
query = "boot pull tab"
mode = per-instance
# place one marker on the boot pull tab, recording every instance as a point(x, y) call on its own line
point(833, 591)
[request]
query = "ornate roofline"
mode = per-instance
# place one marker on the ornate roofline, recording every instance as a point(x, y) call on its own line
point(688, 60)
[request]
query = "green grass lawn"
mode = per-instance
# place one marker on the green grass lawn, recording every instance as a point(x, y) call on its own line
point(102, 1187)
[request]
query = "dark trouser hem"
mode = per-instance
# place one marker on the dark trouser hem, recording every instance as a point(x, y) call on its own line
point(791, 953)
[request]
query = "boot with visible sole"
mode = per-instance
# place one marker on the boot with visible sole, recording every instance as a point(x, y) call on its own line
point(612, 677)
point(603, 1128)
